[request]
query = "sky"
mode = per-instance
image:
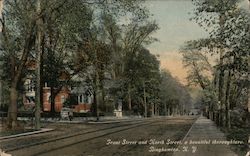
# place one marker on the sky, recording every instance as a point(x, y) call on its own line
point(173, 18)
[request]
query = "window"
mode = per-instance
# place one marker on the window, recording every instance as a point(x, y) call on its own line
point(80, 99)
point(86, 99)
point(30, 85)
point(89, 99)
point(63, 99)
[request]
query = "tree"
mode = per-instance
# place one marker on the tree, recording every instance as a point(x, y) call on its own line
point(64, 30)
point(228, 25)
point(36, 28)
point(113, 33)
point(143, 76)
point(195, 57)
point(18, 38)
point(200, 69)
point(170, 92)
point(38, 50)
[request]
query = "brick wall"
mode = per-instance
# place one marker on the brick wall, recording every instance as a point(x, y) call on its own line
point(62, 95)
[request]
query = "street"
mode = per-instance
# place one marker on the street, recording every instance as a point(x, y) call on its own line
point(153, 136)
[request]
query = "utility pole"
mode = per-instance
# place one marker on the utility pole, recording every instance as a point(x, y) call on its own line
point(38, 66)
point(97, 85)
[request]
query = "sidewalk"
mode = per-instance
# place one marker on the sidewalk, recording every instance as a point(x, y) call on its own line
point(78, 120)
point(200, 141)
point(43, 130)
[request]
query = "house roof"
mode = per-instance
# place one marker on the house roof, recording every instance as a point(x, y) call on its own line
point(82, 89)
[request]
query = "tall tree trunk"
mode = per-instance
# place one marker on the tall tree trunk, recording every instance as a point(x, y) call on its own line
point(152, 110)
point(17, 70)
point(1, 81)
point(52, 99)
point(41, 71)
point(227, 100)
point(102, 96)
point(12, 111)
point(220, 92)
point(165, 109)
point(129, 98)
point(38, 68)
point(97, 95)
point(97, 86)
point(248, 103)
point(169, 111)
point(221, 74)
point(155, 108)
point(144, 100)
point(199, 77)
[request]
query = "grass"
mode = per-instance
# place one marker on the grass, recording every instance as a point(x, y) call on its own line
point(241, 134)
point(23, 127)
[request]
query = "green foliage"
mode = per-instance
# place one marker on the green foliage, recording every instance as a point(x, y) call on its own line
point(241, 134)
point(228, 26)
point(197, 63)
point(173, 95)
point(71, 101)
point(92, 41)
point(17, 36)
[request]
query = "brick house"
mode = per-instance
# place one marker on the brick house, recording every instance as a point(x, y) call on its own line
point(29, 96)
point(59, 99)
point(85, 98)
point(29, 91)
point(82, 92)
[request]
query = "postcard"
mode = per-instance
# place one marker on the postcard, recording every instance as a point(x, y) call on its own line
point(124, 78)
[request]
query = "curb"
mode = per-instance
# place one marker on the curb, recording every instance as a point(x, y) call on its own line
point(43, 130)
point(113, 121)
point(103, 122)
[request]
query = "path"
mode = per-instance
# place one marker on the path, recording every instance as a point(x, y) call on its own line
point(204, 131)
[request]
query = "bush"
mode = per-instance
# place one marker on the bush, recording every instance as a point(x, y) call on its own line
point(50, 115)
point(25, 114)
point(88, 114)
point(240, 134)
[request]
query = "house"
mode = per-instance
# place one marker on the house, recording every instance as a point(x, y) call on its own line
point(29, 85)
point(82, 91)
point(85, 98)
point(29, 96)
point(29, 92)
point(60, 98)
